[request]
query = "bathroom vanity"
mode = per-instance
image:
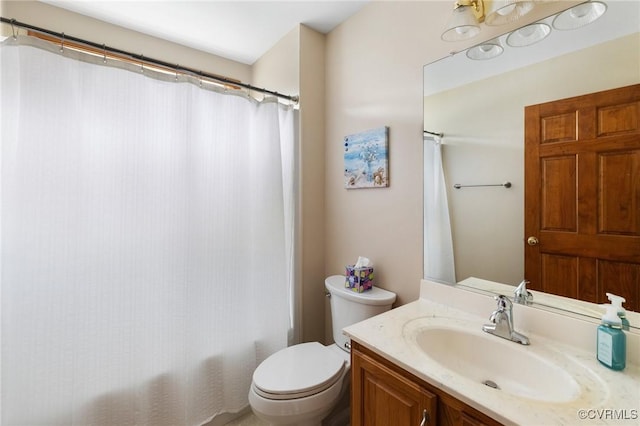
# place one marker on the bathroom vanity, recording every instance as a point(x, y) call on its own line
point(429, 363)
point(383, 391)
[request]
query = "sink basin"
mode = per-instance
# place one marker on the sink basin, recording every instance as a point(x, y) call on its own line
point(498, 363)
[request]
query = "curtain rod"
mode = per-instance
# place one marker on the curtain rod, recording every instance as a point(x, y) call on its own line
point(144, 59)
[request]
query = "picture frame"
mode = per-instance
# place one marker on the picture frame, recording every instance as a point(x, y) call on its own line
point(366, 159)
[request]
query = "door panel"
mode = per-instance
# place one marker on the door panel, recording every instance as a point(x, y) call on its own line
point(619, 278)
point(559, 128)
point(616, 119)
point(582, 195)
point(559, 186)
point(560, 275)
point(619, 186)
point(588, 274)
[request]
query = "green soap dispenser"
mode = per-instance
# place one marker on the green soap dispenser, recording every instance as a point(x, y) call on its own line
point(612, 342)
point(617, 301)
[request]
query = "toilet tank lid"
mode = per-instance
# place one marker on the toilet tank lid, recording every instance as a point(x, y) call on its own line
point(374, 296)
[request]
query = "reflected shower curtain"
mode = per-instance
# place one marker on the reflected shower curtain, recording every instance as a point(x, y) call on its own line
point(145, 243)
point(438, 243)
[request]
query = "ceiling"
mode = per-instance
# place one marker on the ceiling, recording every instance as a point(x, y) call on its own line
point(238, 30)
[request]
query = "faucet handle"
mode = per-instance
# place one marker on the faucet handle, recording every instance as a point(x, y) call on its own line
point(496, 316)
point(503, 302)
point(522, 295)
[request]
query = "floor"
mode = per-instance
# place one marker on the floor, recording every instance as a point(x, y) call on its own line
point(248, 419)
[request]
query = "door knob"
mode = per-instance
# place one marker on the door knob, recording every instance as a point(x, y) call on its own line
point(532, 241)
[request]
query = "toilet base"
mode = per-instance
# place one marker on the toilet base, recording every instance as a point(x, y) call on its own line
point(301, 412)
point(290, 418)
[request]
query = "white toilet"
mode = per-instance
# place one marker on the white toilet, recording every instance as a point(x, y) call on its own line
point(302, 384)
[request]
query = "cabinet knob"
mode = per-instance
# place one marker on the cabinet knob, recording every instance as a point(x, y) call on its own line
point(425, 418)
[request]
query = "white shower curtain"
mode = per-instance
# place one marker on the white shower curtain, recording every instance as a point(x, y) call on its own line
point(439, 262)
point(146, 243)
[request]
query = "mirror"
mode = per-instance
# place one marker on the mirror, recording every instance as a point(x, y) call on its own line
point(478, 105)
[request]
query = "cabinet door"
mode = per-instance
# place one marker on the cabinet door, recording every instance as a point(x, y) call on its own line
point(382, 397)
point(468, 420)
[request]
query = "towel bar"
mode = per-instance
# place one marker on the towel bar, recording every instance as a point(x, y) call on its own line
point(505, 184)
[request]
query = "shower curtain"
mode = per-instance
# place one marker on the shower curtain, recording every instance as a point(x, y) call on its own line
point(146, 228)
point(439, 262)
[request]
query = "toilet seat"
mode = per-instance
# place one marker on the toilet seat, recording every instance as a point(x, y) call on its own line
point(298, 371)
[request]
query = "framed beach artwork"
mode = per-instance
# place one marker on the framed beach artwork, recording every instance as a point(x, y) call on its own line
point(366, 159)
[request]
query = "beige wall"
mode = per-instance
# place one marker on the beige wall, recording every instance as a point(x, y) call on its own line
point(374, 78)
point(312, 171)
point(279, 68)
point(488, 147)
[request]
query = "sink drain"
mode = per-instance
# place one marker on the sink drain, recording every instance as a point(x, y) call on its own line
point(491, 384)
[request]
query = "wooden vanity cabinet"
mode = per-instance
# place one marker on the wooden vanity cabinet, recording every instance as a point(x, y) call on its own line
point(383, 394)
point(380, 396)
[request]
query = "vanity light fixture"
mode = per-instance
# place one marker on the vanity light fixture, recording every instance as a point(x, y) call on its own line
point(467, 15)
point(487, 50)
point(528, 35)
point(580, 15)
point(502, 12)
point(464, 21)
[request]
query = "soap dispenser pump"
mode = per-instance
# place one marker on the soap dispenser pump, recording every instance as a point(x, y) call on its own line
point(617, 301)
point(611, 340)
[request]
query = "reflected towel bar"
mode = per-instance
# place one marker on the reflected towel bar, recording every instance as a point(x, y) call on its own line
point(458, 186)
point(427, 132)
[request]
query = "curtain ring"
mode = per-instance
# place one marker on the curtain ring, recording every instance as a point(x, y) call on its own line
point(200, 78)
point(62, 43)
point(104, 54)
point(141, 63)
point(177, 65)
point(13, 29)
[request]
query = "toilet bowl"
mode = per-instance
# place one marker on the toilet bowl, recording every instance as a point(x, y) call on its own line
point(302, 384)
point(288, 389)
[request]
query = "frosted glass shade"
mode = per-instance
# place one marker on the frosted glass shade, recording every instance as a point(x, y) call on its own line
point(462, 25)
point(528, 35)
point(505, 11)
point(580, 15)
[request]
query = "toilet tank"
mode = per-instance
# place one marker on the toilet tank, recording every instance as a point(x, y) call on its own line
point(349, 307)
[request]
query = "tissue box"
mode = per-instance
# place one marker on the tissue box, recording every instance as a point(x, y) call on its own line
point(359, 279)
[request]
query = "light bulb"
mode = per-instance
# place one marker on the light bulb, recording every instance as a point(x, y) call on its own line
point(527, 31)
point(580, 11)
point(580, 15)
point(485, 51)
point(528, 35)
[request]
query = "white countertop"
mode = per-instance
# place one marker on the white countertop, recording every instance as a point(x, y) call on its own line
point(606, 396)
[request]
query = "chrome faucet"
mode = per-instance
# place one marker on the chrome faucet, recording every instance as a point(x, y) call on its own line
point(502, 322)
point(522, 295)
